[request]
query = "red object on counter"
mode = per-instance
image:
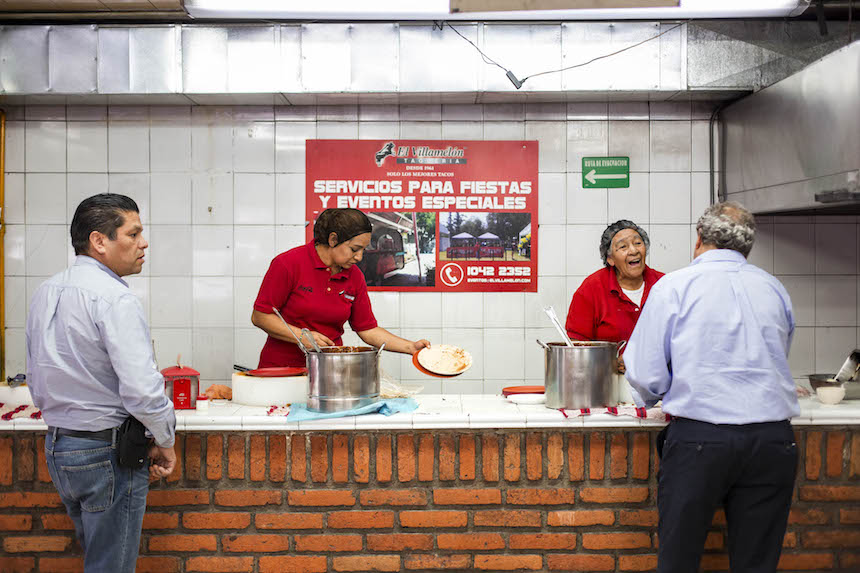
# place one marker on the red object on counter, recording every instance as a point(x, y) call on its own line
point(277, 371)
point(522, 390)
point(182, 385)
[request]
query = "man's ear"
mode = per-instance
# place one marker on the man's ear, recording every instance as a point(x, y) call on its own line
point(97, 243)
point(332, 240)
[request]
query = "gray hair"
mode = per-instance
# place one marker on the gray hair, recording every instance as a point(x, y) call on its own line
point(612, 230)
point(727, 225)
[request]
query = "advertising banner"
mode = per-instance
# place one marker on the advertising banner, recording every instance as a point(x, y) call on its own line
point(447, 215)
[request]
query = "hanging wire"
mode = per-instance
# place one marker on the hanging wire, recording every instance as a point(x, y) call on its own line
point(487, 59)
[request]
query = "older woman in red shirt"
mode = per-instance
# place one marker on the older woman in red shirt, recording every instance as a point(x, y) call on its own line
point(608, 303)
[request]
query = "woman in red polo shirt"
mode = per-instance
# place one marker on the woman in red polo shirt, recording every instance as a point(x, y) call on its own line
point(608, 303)
point(319, 287)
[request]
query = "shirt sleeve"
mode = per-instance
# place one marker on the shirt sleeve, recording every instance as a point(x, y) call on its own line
point(580, 316)
point(276, 287)
point(647, 356)
point(141, 386)
point(361, 317)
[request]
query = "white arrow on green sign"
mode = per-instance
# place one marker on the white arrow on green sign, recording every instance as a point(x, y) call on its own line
point(601, 172)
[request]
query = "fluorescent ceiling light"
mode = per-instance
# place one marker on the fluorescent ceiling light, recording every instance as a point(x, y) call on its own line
point(400, 10)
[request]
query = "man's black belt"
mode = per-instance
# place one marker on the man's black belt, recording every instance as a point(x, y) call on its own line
point(104, 435)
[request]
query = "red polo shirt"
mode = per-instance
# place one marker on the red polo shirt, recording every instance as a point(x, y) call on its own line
point(307, 295)
point(600, 310)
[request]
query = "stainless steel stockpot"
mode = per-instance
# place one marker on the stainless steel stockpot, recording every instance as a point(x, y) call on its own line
point(582, 375)
point(342, 377)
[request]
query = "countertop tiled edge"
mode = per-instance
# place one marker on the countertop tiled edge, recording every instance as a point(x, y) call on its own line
point(463, 412)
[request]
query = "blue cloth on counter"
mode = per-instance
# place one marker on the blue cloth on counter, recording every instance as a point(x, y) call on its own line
point(299, 412)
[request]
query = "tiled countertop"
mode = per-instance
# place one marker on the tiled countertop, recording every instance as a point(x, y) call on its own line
point(448, 411)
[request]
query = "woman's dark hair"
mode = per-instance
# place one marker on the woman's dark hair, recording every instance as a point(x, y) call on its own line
point(610, 232)
point(345, 223)
point(104, 213)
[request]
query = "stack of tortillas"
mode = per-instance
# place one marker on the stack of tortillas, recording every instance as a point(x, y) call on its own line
point(445, 359)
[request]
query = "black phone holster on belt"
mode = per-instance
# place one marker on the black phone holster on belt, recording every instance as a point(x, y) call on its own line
point(132, 444)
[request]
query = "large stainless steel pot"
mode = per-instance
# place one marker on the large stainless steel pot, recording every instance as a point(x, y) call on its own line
point(582, 375)
point(342, 377)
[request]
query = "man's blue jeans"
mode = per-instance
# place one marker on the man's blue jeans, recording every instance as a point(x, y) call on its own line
point(105, 501)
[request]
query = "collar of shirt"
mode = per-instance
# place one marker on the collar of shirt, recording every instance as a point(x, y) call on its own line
point(319, 264)
point(87, 260)
point(719, 255)
point(648, 277)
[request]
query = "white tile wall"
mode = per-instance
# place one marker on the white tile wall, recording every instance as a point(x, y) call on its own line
point(221, 190)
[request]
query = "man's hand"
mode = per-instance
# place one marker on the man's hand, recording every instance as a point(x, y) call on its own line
point(163, 461)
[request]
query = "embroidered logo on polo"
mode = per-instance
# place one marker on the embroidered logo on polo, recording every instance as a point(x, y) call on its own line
point(347, 296)
point(305, 288)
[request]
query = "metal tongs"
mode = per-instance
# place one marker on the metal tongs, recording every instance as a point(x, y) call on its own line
point(550, 312)
point(300, 335)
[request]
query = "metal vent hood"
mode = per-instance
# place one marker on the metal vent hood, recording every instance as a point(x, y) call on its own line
point(794, 147)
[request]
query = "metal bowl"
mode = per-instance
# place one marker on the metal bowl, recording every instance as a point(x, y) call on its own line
point(852, 389)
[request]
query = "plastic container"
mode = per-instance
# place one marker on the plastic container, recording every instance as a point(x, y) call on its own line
point(202, 403)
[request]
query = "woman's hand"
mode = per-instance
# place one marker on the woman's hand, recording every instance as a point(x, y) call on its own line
point(621, 368)
point(419, 344)
point(319, 338)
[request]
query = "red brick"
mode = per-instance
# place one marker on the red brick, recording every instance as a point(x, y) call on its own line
point(220, 564)
point(490, 458)
point(383, 459)
point(293, 564)
point(6, 457)
point(183, 542)
point(59, 521)
point(377, 497)
point(849, 560)
point(641, 517)
point(829, 493)
point(509, 562)
point(575, 457)
point(543, 541)
point(157, 565)
point(340, 458)
point(714, 540)
point(512, 457)
point(14, 544)
point(236, 457)
point(16, 522)
point(447, 458)
point(808, 517)
point(405, 458)
point(177, 497)
point(178, 449)
point(438, 562)
point(361, 459)
point(17, 564)
point(719, 517)
point(399, 542)
point(849, 516)
point(319, 459)
point(835, 445)
point(278, 458)
point(328, 542)
point(247, 497)
point(806, 561)
point(214, 456)
point(257, 461)
point(367, 563)
point(614, 495)
point(637, 562)
point(640, 456)
point(828, 539)
point(813, 455)
point(596, 455)
point(360, 519)
point(42, 473)
point(789, 540)
point(225, 520)
point(426, 457)
point(540, 496)
point(433, 518)
point(321, 498)
point(618, 456)
point(580, 518)
point(554, 455)
point(534, 456)
point(854, 466)
point(193, 449)
point(160, 520)
point(259, 543)
point(29, 499)
point(61, 565)
point(288, 521)
point(615, 540)
point(26, 459)
point(470, 541)
point(467, 496)
point(467, 457)
point(580, 562)
point(507, 518)
point(298, 458)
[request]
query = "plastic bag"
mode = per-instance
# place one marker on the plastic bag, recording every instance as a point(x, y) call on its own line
point(390, 388)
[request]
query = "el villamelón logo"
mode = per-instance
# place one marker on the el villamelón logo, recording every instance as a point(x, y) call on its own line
point(421, 154)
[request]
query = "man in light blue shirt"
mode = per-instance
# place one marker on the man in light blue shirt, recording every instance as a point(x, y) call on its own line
point(90, 366)
point(713, 344)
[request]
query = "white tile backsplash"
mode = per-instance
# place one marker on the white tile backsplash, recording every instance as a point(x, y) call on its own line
point(170, 250)
point(15, 198)
point(585, 206)
point(87, 146)
point(46, 198)
point(631, 139)
point(585, 139)
point(552, 139)
point(801, 290)
point(212, 199)
point(45, 146)
point(254, 147)
point(669, 195)
point(290, 137)
point(463, 310)
point(670, 146)
point(170, 143)
point(835, 248)
point(212, 301)
point(254, 250)
point(254, 198)
point(128, 146)
point(46, 250)
point(834, 297)
point(170, 198)
point(504, 309)
point(171, 299)
point(16, 146)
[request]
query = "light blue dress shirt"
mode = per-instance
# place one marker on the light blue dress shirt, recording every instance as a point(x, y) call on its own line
point(89, 357)
point(713, 343)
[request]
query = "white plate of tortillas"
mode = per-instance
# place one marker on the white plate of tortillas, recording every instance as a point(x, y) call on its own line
point(445, 359)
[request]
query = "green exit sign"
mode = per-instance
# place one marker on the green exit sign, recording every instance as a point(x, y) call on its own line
point(605, 172)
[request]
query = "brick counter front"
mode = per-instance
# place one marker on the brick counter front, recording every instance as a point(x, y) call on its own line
point(459, 500)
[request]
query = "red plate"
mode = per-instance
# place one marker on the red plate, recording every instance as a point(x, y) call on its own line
point(522, 390)
point(276, 371)
point(427, 372)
